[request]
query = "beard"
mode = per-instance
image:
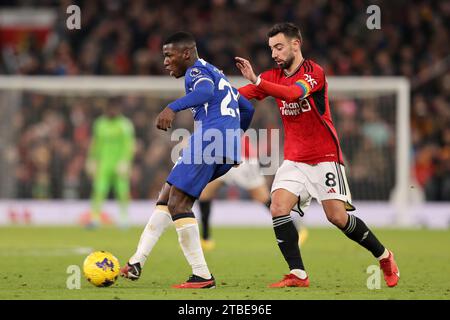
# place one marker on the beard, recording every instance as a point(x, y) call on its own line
point(288, 63)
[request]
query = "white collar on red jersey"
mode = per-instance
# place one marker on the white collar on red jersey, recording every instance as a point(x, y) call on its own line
point(295, 71)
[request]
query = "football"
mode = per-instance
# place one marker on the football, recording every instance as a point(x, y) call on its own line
point(101, 268)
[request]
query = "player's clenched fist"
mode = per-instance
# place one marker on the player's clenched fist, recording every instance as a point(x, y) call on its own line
point(246, 69)
point(165, 118)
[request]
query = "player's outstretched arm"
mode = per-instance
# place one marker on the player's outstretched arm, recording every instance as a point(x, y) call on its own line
point(301, 89)
point(203, 92)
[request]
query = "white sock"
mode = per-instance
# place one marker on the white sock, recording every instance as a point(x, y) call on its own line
point(299, 273)
point(384, 255)
point(189, 238)
point(157, 224)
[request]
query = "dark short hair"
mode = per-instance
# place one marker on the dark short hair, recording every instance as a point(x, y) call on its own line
point(289, 29)
point(180, 37)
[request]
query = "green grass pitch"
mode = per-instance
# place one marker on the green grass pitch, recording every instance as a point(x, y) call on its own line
point(34, 262)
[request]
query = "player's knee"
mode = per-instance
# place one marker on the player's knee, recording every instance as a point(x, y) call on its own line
point(176, 206)
point(278, 209)
point(335, 212)
point(338, 219)
point(173, 207)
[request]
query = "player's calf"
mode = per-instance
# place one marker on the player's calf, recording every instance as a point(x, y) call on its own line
point(356, 230)
point(335, 212)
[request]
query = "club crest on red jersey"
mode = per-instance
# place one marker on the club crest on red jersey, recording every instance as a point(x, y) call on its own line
point(311, 81)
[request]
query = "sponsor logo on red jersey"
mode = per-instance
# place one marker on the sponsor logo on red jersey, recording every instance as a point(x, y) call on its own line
point(294, 108)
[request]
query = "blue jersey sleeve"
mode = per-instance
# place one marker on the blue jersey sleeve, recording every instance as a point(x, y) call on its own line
point(196, 75)
point(200, 86)
point(246, 112)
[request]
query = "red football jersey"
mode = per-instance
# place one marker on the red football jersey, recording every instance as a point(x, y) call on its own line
point(310, 136)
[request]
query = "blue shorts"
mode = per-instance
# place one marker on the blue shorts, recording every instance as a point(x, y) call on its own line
point(193, 178)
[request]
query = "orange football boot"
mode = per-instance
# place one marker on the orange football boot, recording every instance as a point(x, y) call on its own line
point(291, 280)
point(196, 282)
point(390, 270)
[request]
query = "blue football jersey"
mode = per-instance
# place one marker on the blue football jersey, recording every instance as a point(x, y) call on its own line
point(217, 122)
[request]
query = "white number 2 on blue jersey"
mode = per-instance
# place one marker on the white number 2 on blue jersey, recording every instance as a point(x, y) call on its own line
point(224, 109)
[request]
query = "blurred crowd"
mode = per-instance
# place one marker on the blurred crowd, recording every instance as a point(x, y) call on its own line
point(54, 134)
point(124, 38)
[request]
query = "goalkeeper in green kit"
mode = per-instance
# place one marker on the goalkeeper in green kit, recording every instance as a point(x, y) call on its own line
point(109, 162)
